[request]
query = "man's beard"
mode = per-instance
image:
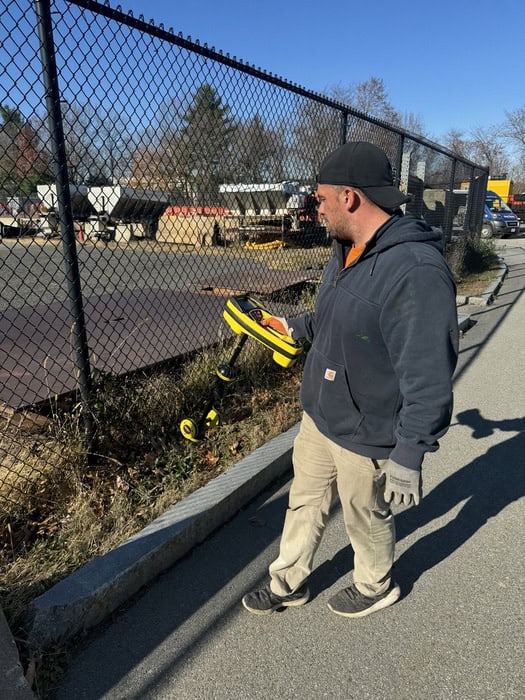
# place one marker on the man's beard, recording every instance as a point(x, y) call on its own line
point(335, 235)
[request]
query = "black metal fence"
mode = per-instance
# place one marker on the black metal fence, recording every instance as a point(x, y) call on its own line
point(143, 178)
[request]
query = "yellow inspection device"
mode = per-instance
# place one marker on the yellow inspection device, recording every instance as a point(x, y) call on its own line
point(244, 314)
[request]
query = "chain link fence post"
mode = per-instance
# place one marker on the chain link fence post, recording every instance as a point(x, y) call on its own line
point(344, 128)
point(65, 214)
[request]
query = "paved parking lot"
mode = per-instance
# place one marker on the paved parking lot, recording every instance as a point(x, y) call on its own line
point(141, 307)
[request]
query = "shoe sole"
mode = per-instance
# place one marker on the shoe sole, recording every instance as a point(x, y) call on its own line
point(385, 602)
point(284, 604)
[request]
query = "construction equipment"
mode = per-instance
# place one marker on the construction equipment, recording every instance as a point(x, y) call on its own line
point(271, 214)
point(105, 213)
point(243, 314)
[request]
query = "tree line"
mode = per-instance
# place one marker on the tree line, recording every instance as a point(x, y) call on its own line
point(198, 143)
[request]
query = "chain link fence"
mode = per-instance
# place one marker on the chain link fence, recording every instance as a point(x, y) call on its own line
point(144, 178)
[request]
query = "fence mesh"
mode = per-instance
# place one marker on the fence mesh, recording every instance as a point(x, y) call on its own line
point(189, 177)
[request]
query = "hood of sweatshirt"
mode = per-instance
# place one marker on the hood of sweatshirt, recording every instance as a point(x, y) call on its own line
point(398, 229)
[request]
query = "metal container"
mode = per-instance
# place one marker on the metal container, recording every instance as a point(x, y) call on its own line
point(127, 204)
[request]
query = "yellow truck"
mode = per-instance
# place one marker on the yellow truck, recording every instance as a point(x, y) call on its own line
point(501, 187)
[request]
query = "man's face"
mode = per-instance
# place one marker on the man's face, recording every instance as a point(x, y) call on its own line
point(333, 210)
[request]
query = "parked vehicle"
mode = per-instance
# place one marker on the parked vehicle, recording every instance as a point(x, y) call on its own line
point(497, 185)
point(500, 186)
point(498, 218)
point(517, 203)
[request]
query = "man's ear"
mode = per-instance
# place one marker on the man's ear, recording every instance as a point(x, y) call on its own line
point(352, 199)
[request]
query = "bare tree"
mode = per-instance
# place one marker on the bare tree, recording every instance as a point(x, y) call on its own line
point(488, 149)
point(81, 154)
point(456, 142)
point(370, 97)
point(514, 128)
point(316, 133)
point(518, 175)
point(256, 152)
point(413, 123)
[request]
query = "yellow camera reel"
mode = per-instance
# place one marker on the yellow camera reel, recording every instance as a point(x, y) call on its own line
point(243, 314)
point(190, 429)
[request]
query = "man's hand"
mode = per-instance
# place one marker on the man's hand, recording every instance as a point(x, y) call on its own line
point(402, 485)
point(278, 324)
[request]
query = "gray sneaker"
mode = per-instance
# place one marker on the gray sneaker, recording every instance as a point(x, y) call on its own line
point(264, 601)
point(351, 603)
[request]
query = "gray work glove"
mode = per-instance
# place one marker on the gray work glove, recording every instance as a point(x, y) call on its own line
point(402, 485)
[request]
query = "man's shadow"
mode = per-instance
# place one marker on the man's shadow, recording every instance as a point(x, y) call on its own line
point(488, 484)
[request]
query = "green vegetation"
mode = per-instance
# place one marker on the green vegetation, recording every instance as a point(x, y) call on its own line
point(471, 255)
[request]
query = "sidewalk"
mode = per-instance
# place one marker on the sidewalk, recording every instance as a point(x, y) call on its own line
point(13, 684)
point(457, 631)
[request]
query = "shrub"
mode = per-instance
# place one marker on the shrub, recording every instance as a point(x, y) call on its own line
point(470, 255)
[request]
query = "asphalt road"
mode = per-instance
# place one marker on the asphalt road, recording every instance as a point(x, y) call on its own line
point(456, 633)
point(32, 272)
point(142, 305)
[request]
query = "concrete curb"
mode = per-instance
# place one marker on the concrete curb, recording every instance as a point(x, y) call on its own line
point(13, 685)
point(487, 297)
point(89, 595)
point(464, 322)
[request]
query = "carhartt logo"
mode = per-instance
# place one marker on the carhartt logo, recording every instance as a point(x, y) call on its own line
point(329, 374)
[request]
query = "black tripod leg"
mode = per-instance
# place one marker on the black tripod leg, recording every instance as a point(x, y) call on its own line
point(218, 391)
point(237, 351)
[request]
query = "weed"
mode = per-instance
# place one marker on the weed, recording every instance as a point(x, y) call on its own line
point(78, 508)
point(470, 255)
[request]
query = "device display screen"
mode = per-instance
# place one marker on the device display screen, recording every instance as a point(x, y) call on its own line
point(249, 307)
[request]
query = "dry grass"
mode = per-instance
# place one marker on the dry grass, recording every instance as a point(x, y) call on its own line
point(289, 257)
point(475, 283)
point(65, 510)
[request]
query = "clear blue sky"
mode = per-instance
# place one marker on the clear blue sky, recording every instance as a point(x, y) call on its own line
point(454, 63)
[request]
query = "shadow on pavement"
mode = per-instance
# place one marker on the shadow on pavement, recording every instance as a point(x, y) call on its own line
point(209, 578)
point(191, 585)
point(488, 484)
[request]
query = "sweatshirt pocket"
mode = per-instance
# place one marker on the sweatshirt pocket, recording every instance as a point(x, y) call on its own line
point(333, 400)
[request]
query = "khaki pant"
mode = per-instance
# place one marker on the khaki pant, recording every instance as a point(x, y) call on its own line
point(322, 470)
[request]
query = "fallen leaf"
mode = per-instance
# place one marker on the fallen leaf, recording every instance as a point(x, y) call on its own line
point(211, 459)
point(121, 485)
point(235, 447)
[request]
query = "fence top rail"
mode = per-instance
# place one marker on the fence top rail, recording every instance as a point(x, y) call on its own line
point(158, 31)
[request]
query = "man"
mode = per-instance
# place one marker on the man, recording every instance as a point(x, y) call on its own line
point(377, 382)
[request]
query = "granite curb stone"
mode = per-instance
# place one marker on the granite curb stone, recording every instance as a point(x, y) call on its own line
point(487, 297)
point(13, 685)
point(92, 593)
